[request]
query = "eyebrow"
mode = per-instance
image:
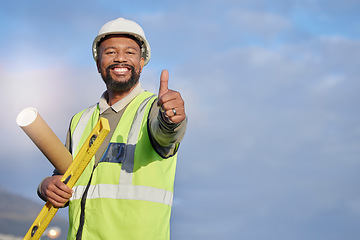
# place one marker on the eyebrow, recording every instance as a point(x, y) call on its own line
point(111, 47)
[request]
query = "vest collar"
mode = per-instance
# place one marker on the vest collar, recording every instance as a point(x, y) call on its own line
point(119, 105)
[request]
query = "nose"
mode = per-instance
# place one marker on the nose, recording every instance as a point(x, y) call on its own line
point(120, 57)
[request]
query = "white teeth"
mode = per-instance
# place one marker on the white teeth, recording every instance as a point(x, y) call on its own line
point(120, 70)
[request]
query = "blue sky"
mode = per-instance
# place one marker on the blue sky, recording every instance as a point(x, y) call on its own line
point(272, 149)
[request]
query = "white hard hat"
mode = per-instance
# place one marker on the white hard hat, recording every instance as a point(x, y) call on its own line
point(123, 26)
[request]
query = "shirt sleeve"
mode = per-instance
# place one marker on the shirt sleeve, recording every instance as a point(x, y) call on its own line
point(165, 137)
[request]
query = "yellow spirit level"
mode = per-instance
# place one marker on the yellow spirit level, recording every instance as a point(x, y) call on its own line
point(70, 177)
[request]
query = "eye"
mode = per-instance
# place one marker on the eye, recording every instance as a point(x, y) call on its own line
point(110, 52)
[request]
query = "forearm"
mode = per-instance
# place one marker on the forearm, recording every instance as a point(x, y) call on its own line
point(165, 136)
point(55, 172)
point(165, 133)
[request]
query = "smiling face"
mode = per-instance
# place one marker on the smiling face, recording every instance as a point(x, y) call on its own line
point(119, 63)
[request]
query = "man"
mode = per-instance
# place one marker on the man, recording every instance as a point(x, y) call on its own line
point(126, 191)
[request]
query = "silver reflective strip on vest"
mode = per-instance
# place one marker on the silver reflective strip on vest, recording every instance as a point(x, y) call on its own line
point(80, 127)
point(127, 192)
point(127, 167)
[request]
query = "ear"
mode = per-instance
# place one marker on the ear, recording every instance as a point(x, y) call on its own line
point(142, 63)
point(98, 65)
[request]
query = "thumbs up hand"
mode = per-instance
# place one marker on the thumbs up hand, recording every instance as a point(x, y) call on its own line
point(170, 101)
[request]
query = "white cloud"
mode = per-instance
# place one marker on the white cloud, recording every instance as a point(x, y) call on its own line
point(260, 23)
point(328, 83)
point(56, 91)
point(354, 205)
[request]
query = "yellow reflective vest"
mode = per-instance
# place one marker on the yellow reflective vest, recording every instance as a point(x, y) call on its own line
point(129, 194)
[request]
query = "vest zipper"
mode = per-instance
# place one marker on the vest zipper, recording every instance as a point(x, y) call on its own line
point(82, 207)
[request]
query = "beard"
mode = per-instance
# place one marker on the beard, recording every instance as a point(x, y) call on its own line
point(120, 86)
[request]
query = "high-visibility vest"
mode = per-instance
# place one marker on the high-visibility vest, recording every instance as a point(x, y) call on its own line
point(129, 194)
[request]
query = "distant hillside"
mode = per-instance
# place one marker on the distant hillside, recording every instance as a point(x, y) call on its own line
point(18, 213)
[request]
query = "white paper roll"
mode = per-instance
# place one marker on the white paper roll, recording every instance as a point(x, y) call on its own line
point(44, 138)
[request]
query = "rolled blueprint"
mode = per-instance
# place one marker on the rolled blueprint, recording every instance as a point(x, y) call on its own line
point(44, 138)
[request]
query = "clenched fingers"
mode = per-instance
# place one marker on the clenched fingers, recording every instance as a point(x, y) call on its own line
point(55, 191)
